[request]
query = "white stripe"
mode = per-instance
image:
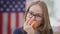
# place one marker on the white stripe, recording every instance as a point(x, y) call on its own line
point(21, 19)
point(5, 20)
point(13, 22)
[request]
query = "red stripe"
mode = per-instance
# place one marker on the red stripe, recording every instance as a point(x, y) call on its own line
point(0, 23)
point(9, 22)
point(17, 20)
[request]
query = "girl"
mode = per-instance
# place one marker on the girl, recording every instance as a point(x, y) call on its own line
point(36, 20)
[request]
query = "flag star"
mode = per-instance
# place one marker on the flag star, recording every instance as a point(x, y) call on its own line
point(19, 9)
point(7, 2)
point(13, 2)
point(4, 6)
point(2, 2)
point(16, 6)
point(13, 9)
point(24, 2)
point(19, 2)
point(21, 6)
point(7, 9)
point(1, 9)
point(23, 9)
point(10, 6)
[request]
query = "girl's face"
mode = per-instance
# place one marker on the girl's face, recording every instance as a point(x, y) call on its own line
point(36, 12)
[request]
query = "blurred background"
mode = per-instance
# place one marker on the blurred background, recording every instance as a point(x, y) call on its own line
point(12, 14)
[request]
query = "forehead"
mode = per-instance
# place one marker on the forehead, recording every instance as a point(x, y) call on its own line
point(36, 9)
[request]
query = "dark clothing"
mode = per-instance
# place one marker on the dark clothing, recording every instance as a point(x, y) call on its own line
point(21, 31)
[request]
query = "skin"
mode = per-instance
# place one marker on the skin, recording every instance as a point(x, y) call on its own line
point(37, 10)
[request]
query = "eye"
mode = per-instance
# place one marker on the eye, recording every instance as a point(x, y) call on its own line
point(29, 15)
point(38, 16)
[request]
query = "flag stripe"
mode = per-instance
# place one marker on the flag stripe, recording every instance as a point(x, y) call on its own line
point(17, 20)
point(9, 23)
point(0, 23)
point(21, 19)
point(11, 16)
point(13, 22)
point(4, 27)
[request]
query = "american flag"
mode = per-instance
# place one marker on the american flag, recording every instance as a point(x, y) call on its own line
point(11, 15)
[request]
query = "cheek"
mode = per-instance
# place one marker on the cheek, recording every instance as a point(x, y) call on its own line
point(27, 18)
point(39, 21)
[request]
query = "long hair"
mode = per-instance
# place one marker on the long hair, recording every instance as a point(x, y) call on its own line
point(46, 27)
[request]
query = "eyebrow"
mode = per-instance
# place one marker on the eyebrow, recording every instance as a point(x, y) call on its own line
point(36, 13)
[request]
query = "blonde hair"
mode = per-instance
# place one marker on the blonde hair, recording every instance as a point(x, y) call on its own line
point(46, 27)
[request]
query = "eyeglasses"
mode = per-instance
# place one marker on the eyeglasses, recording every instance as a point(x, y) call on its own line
point(37, 16)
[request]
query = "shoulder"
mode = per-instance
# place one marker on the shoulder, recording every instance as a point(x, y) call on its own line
point(19, 31)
